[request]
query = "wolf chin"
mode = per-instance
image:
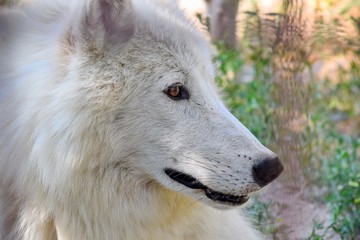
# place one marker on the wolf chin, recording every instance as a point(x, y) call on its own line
point(111, 127)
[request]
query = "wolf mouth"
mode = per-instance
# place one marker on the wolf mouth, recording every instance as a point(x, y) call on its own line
point(193, 183)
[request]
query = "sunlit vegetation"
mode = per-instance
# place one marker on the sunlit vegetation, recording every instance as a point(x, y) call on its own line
point(299, 93)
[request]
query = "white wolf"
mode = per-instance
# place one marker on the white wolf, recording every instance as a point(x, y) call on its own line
point(111, 127)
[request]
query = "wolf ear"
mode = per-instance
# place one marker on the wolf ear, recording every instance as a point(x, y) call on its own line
point(104, 22)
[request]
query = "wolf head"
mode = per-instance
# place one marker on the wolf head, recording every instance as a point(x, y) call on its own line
point(145, 102)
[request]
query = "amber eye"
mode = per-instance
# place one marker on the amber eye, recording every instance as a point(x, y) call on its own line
point(174, 91)
point(177, 91)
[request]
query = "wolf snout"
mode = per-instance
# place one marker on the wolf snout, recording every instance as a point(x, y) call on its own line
point(267, 170)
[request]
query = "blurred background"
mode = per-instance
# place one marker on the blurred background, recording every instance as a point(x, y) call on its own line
point(290, 71)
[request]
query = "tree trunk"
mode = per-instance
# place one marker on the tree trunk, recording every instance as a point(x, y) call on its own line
point(222, 16)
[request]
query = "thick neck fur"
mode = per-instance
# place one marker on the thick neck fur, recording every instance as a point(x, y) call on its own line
point(123, 209)
point(127, 211)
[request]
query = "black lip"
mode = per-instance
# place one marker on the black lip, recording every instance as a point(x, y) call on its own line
point(221, 197)
point(184, 179)
point(193, 183)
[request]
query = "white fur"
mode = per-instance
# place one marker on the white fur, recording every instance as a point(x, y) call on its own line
point(86, 130)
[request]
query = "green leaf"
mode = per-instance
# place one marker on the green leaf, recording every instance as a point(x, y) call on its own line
point(353, 184)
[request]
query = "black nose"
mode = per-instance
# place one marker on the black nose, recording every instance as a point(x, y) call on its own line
point(267, 170)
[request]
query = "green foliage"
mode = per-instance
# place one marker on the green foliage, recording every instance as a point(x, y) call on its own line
point(250, 101)
point(334, 156)
point(260, 213)
point(341, 173)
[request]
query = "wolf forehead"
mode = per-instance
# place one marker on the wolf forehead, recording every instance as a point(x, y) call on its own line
point(145, 30)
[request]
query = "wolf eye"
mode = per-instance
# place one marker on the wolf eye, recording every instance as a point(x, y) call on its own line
point(177, 91)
